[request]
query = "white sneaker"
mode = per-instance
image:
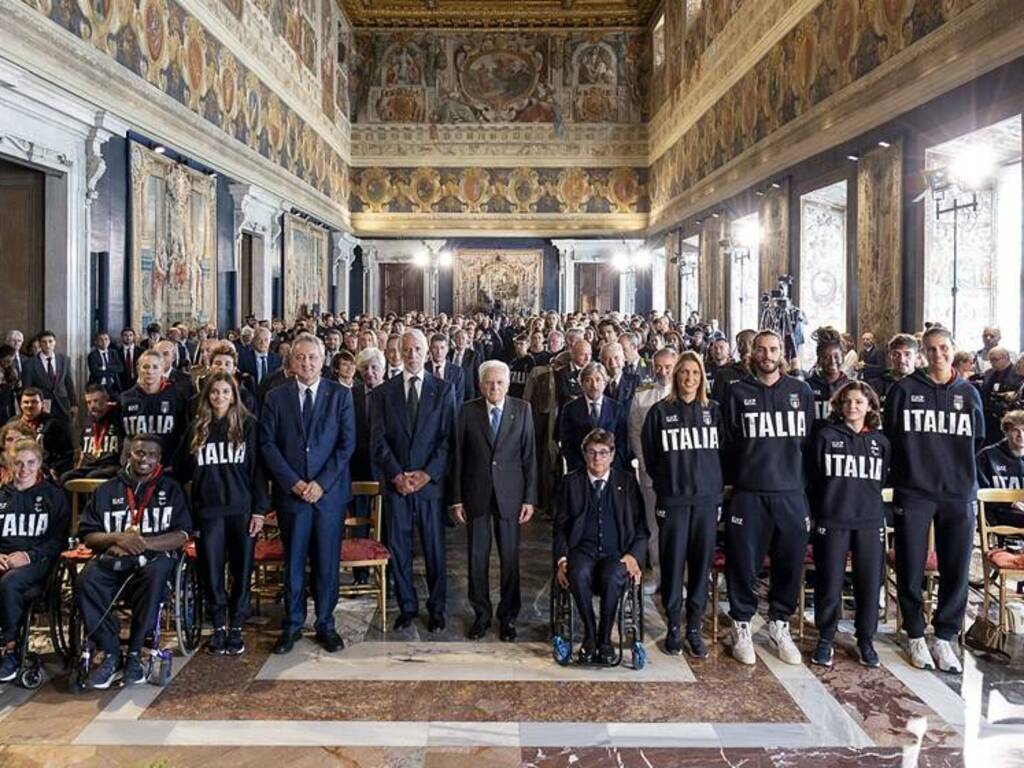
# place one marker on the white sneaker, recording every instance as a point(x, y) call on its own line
point(742, 643)
point(778, 635)
point(945, 656)
point(920, 656)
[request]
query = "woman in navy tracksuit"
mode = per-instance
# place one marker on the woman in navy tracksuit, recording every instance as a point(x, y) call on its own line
point(681, 438)
point(850, 464)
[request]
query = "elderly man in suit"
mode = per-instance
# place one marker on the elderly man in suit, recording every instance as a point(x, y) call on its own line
point(567, 380)
point(50, 373)
point(591, 410)
point(600, 540)
point(494, 486)
point(307, 435)
point(258, 361)
point(411, 422)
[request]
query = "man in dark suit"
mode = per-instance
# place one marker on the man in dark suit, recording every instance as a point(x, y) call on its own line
point(259, 362)
point(104, 365)
point(307, 435)
point(181, 381)
point(630, 342)
point(50, 373)
point(466, 358)
point(439, 367)
point(621, 384)
point(494, 486)
point(411, 422)
point(567, 380)
point(872, 358)
point(129, 353)
point(592, 410)
point(600, 539)
point(15, 339)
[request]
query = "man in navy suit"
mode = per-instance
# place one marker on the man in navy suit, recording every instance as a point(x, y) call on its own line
point(129, 353)
point(411, 423)
point(104, 366)
point(307, 434)
point(439, 367)
point(50, 373)
point(466, 358)
point(258, 361)
point(592, 410)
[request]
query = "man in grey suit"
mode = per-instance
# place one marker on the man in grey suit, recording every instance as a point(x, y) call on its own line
point(494, 486)
point(50, 373)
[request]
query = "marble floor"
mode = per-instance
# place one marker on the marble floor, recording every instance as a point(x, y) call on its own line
point(419, 699)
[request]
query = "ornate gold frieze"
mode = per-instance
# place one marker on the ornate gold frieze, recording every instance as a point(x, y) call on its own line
point(499, 13)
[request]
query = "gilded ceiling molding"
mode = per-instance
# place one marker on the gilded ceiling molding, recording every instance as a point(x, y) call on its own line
point(493, 14)
point(751, 33)
point(510, 224)
point(981, 37)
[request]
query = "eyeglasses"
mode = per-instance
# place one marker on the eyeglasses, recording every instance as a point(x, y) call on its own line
point(601, 453)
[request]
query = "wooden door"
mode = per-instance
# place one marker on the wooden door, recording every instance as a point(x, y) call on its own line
point(245, 278)
point(597, 287)
point(401, 288)
point(22, 200)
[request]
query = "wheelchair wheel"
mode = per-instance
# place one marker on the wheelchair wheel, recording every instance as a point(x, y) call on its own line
point(188, 607)
point(62, 608)
point(31, 676)
point(639, 656)
point(561, 651)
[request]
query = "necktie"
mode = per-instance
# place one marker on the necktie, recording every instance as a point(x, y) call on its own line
point(103, 357)
point(307, 411)
point(495, 421)
point(412, 401)
point(262, 369)
point(613, 388)
point(595, 413)
point(597, 488)
point(49, 369)
point(128, 359)
point(438, 371)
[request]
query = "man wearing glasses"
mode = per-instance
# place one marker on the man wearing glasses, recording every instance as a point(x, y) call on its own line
point(600, 540)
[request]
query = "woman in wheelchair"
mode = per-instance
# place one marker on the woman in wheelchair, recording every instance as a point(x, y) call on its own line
point(229, 501)
point(600, 539)
point(34, 520)
point(136, 522)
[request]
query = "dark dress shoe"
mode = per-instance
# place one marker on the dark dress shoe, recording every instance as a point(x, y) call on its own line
point(585, 655)
point(404, 621)
point(330, 641)
point(508, 632)
point(286, 642)
point(479, 628)
point(606, 654)
point(673, 643)
point(436, 623)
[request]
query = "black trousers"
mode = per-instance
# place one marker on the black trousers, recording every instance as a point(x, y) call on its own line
point(17, 587)
point(506, 534)
point(605, 577)
point(225, 538)
point(867, 547)
point(406, 514)
point(954, 536)
point(686, 541)
point(95, 590)
point(758, 524)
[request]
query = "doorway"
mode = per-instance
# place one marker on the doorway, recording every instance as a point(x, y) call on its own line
point(597, 287)
point(401, 288)
point(22, 199)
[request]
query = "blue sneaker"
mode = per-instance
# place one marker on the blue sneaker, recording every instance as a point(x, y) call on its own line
point(107, 673)
point(822, 655)
point(868, 654)
point(10, 666)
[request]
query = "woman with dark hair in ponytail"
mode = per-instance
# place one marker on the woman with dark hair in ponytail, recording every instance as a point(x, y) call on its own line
point(827, 377)
point(851, 461)
point(229, 500)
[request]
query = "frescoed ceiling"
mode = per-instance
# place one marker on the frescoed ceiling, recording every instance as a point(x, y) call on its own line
point(494, 14)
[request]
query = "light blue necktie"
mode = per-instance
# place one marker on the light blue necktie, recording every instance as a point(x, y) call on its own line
point(495, 421)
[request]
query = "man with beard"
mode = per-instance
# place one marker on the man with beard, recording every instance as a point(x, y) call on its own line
point(902, 362)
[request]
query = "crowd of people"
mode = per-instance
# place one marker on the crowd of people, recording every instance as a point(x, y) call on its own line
point(625, 431)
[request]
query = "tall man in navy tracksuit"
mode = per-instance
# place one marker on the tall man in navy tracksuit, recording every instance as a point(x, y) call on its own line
point(935, 423)
point(768, 417)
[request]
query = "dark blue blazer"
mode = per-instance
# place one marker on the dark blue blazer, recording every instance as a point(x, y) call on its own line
point(455, 376)
point(290, 455)
point(109, 377)
point(397, 446)
point(247, 362)
point(574, 423)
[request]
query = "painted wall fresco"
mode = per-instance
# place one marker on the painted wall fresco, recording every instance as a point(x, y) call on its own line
point(160, 42)
point(838, 43)
point(475, 77)
point(498, 190)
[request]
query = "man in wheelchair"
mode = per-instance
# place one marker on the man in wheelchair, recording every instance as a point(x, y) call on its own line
point(34, 521)
point(600, 539)
point(136, 522)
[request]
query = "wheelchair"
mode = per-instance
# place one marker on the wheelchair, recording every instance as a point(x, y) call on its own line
point(630, 624)
point(30, 675)
point(181, 610)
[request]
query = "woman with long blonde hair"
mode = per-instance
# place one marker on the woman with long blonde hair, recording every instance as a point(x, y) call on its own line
point(681, 438)
point(229, 500)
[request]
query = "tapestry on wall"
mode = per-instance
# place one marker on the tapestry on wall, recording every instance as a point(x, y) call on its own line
point(305, 268)
point(174, 242)
point(505, 279)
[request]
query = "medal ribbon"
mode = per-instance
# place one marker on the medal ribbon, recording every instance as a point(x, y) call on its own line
point(136, 510)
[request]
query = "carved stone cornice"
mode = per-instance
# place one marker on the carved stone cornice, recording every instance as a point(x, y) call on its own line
point(28, 150)
point(493, 14)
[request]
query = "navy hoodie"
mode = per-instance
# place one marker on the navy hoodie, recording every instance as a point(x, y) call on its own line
point(823, 392)
point(681, 444)
point(34, 521)
point(850, 470)
point(999, 468)
point(108, 512)
point(164, 414)
point(767, 432)
point(935, 431)
point(227, 478)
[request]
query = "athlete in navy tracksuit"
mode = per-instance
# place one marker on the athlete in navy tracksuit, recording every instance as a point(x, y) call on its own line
point(1001, 465)
point(767, 419)
point(850, 464)
point(681, 438)
point(828, 375)
point(935, 423)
